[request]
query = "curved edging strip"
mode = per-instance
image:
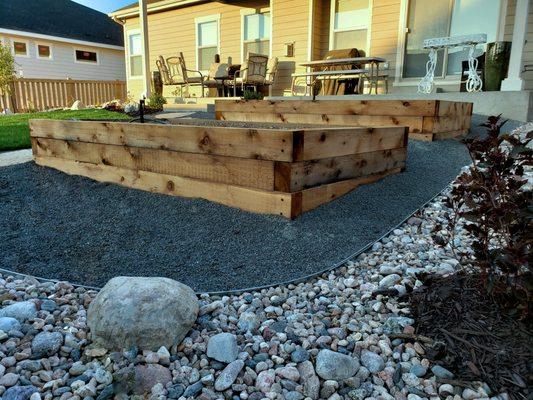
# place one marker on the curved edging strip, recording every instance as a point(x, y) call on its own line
point(257, 288)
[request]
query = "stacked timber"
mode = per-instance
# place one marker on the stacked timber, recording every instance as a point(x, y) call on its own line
point(427, 120)
point(278, 170)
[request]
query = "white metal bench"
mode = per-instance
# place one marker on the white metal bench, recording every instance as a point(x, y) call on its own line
point(474, 82)
point(323, 75)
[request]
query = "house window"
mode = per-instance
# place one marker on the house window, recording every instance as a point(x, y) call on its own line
point(44, 51)
point(256, 34)
point(135, 54)
point(207, 42)
point(20, 48)
point(86, 56)
point(351, 20)
point(446, 18)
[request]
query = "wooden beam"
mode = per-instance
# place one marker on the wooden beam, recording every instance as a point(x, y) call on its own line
point(264, 144)
point(258, 201)
point(415, 124)
point(258, 174)
point(403, 108)
point(292, 177)
point(320, 143)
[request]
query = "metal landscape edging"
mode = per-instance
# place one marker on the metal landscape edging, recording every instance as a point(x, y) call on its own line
point(258, 288)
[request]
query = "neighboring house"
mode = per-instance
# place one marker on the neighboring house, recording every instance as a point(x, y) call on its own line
point(59, 39)
point(299, 30)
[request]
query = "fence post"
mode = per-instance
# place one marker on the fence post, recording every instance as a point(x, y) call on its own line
point(70, 92)
point(12, 94)
point(118, 90)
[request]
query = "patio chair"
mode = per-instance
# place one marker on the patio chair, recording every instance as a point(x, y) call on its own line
point(252, 73)
point(174, 73)
point(272, 70)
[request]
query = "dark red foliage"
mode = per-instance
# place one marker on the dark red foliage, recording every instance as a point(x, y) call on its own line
point(493, 199)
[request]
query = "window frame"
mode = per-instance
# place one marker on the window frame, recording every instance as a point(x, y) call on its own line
point(26, 42)
point(252, 11)
point(76, 48)
point(49, 45)
point(367, 26)
point(197, 22)
point(130, 33)
point(445, 79)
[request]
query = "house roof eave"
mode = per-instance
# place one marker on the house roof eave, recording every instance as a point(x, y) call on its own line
point(153, 8)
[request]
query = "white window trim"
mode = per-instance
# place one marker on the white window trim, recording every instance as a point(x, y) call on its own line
point(251, 11)
point(86, 62)
point(198, 21)
point(27, 55)
point(127, 34)
point(49, 45)
point(367, 26)
point(400, 52)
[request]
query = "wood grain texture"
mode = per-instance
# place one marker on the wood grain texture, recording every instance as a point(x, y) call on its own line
point(254, 173)
point(253, 200)
point(398, 108)
point(320, 144)
point(302, 175)
point(265, 144)
point(415, 124)
point(424, 118)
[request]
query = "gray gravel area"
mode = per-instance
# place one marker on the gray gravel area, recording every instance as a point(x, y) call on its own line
point(72, 228)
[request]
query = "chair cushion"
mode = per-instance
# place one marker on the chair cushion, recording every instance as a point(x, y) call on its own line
point(195, 79)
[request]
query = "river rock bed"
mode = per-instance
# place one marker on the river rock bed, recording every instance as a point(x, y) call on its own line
point(340, 336)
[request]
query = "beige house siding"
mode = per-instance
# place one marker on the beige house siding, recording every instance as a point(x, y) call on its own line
point(528, 50)
point(384, 31)
point(304, 23)
point(321, 28)
point(289, 25)
point(173, 31)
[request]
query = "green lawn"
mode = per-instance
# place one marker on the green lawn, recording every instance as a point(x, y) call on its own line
point(15, 131)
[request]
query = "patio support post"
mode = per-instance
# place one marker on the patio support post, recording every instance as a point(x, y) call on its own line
point(143, 15)
point(514, 81)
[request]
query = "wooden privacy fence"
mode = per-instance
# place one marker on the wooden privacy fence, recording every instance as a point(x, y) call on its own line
point(43, 94)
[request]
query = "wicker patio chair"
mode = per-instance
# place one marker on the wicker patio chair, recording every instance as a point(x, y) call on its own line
point(252, 73)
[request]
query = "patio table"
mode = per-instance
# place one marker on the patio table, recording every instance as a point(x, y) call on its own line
point(222, 88)
point(373, 71)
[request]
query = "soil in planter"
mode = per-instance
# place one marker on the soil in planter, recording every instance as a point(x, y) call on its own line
point(472, 337)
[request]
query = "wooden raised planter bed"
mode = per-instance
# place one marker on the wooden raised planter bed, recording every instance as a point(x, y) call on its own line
point(279, 170)
point(426, 119)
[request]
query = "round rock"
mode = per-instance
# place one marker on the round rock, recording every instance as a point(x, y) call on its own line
point(223, 347)
point(9, 324)
point(372, 361)
point(21, 311)
point(335, 366)
point(46, 344)
point(146, 313)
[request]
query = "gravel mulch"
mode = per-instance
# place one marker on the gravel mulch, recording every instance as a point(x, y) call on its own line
point(342, 336)
point(72, 228)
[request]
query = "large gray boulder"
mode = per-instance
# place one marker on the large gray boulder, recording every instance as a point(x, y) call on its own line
point(143, 312)
point(335, 366)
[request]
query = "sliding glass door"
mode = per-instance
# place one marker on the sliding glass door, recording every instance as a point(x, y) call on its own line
point(438, 18)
